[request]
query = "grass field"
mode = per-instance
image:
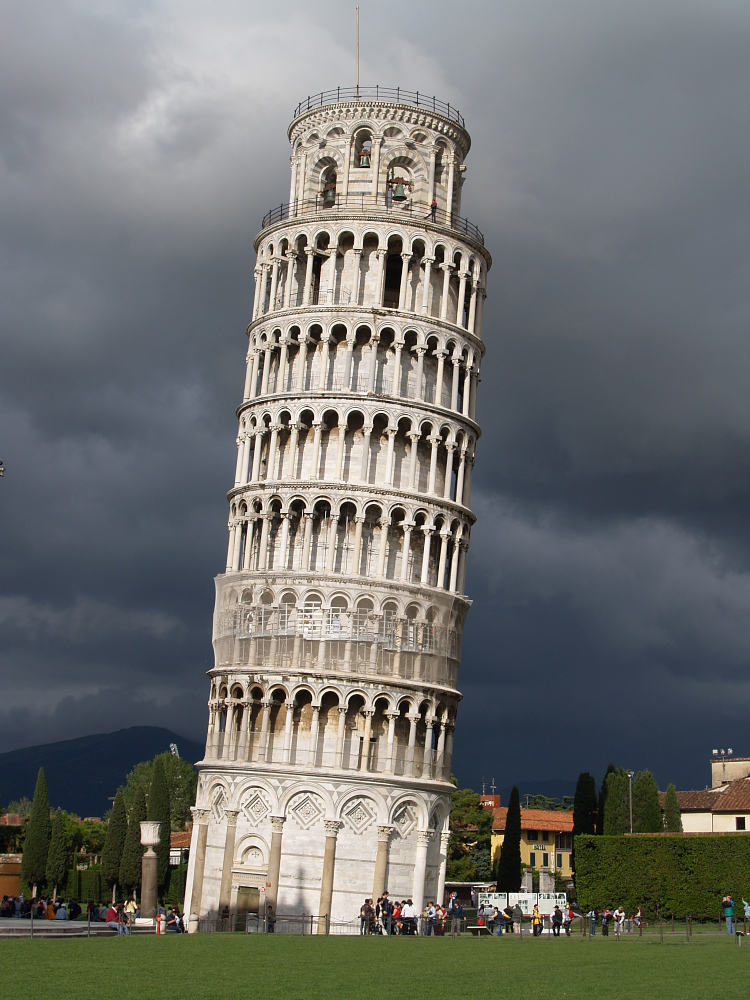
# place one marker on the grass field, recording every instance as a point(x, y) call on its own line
point(222, 965)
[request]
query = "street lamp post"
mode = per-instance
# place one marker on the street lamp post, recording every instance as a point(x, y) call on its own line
point(630, 782)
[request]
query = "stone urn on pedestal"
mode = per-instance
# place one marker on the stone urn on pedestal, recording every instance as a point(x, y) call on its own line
point(150, 838)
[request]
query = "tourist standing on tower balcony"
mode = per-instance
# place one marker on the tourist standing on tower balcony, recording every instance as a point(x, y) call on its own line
point(433, 210)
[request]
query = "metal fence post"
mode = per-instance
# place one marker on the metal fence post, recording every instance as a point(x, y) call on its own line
point(687, 928)
point(661, 928)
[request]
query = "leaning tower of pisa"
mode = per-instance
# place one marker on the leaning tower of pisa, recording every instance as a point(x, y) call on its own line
point(338, 620)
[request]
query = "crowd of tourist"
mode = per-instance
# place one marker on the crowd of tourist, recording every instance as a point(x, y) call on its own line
point(388, 916)
point(43, 909)
point(118, 916)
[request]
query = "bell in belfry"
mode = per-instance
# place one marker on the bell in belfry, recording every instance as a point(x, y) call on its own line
point(329, 196)
point(364, 159)
point(399, 194)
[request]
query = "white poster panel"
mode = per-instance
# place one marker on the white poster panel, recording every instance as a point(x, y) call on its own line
point(498, 899)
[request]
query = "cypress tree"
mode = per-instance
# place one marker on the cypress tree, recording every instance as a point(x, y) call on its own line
point(114, 842)
point(647, 816)
point(132, 852)
point(57, 855)
point(38, 833)
point(603, 800)
point(584, 809)
point(158, 811)
point(672, 818)
point(617, 803)
point(509, 865)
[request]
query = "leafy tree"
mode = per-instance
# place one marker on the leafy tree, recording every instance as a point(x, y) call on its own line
point(57, 855)
point(672, 818)
point(584, 808)
point(117, 831)
point(480, 858)
point(617, 803)
point(21, 807)
point(182, 782)
point(509, 864)
point(647, 816)
point(603, 799)
point(132, 852)
point(38, 833)
point(471, 833)
point(158, 811)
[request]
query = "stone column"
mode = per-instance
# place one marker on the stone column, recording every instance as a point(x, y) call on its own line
point(391, 432)
point(440, 757)
point(240, 442)
point(390, 763)
point(381, 252)
point(230, 547)
point(366, 433)
point(302, 358)
point(444, 838)
point(254, 376)
point(374, 340)
point(201, 819)
point(375, 150)
point(323, 377)
point(434, 440)
point(427, 759)
point(270, 474)
point(291, 264)
point(463, 549)
point(332, 535)
point(290, 460)
point(347, 164)
point(149, 869)
point(355, 277)
point(383, 546)
point(426, 555)
point(444, 536)
point(413, 718)
point(381, 861)
point(439, 379)
point(263, 739)
point(467, 391)
point(454, 562)
point(463, 275)
point(245, 705)
point(283, 356)
point(225, 894)
point(396, 384)
point(256, 297)
point(431, 175)
point(454, 384)
point(246, 450)
point(472, 306)
point(248, 376)
point(418, 391)
point(414, 438)
point(447, 269)
point(284, 544)
point(288, 723)
point(326, 886)
point(313, 748)
point(340, 737)
point(274, 283)
point(263, 554)
point(364, 762)
point(426, 291)
point(449, 199)
point(307, 541)
point(274, 862)
point(258, 447)
point(318, 425)
point(340, 451)
point(357, 557)
point(347, 387)
point(450, 448)
point(405, 258)
point(263, 285)
point(420, 868)
point(237, 546)
point(310, 251)
point(460, 476)
point(407, 526)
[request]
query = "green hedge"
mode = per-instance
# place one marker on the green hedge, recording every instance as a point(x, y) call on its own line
point(87, 885)
point(677, 875)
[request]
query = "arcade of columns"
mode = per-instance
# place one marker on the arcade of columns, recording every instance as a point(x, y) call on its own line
point(338, 621)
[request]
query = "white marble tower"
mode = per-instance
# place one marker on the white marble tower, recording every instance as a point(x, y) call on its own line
point(338, 621)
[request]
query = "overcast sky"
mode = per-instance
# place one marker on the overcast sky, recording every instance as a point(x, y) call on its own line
point(140, 144)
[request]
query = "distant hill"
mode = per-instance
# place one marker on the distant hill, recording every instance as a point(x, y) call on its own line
point(83, 773)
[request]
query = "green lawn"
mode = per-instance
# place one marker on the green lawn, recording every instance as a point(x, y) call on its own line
point(222, 965)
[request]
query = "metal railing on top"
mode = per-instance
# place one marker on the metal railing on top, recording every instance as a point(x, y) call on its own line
point(395, 95)
point(366, 204)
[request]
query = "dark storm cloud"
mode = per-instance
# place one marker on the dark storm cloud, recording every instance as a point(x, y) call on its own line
point(140, 147)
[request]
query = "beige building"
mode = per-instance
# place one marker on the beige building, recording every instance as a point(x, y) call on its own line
point(725, 809)
point(339, 618)
point(546, 838)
